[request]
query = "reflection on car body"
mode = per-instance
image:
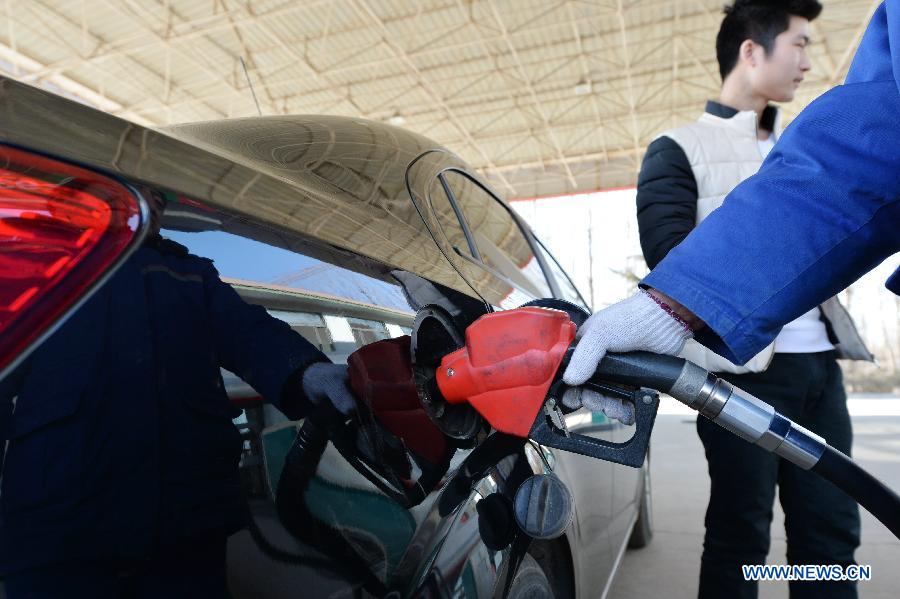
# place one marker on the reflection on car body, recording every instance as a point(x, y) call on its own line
point(311, 218)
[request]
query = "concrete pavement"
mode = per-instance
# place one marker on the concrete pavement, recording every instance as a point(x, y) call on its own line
point(669, 566)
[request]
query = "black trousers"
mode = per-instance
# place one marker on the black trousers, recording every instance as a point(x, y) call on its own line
point(194, 569)
point(821, 522)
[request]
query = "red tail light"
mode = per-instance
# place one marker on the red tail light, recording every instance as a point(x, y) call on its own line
point(61, 228)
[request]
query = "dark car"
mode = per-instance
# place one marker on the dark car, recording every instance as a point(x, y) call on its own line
point(343, 228)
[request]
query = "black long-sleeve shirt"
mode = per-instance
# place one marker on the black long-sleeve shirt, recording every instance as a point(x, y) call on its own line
point(666, 199)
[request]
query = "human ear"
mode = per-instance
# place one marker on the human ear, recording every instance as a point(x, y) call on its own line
point(746, 52)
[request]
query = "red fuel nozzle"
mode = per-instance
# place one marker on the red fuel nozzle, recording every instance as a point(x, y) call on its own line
point(507, 365)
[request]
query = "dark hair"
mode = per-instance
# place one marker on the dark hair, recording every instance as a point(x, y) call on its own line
point(758, 20)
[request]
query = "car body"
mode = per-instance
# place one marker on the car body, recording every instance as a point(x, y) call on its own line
point(343, 227)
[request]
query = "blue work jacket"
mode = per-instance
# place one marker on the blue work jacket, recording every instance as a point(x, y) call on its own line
point(119, 429)
point(823, 210)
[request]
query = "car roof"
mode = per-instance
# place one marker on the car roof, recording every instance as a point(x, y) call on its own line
point(339, 181)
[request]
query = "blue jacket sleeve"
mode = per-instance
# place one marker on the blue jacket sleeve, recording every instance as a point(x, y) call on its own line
point(822, 211)
point(254, 345)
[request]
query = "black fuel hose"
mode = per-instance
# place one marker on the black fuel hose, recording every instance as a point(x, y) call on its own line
point(755, 421)
point(300, 466)
point(867, 490)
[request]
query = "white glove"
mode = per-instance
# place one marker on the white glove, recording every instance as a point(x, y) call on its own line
point(614, 408)
point(634, 324)
point(324, 381)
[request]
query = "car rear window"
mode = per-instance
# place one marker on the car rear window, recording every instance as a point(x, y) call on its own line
point(245, 259)
point(501, 243)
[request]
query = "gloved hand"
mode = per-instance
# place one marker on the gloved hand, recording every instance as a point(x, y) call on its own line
point(634, 324)
point(324, 381)
point(614, 408)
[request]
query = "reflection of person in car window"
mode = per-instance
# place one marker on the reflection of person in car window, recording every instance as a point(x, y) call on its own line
point(120, 473)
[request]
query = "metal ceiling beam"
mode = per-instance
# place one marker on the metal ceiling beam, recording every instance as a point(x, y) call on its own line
point(586, 74)
point(492, 96)
point(11, 35)
point(603, 39)
point(596, 156)
point(246, 55)
point(194, 58)
point(701, 64)
point(495, 72)
point(690, 106)
point(319, 76)
point(99, 41)
point(364, 10)
point(715, 81)
point(674, 80)
point(620, 15)
point(114, 50)
point(536, 103)
point(844, 61)
point(70, 86)
point(819, 38)
point(122, 47)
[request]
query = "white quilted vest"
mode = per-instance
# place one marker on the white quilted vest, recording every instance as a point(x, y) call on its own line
point(722, 153)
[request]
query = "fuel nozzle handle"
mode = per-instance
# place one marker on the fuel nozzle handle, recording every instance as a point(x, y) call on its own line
point(753, 420)
point(640, 369)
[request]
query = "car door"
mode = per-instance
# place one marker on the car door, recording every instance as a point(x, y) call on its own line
point(626, 482)
point(339, 310)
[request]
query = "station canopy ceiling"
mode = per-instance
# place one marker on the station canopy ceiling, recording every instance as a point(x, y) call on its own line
point(543, 97)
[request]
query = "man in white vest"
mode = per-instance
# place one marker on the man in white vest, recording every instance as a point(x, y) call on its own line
point(686, 174)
